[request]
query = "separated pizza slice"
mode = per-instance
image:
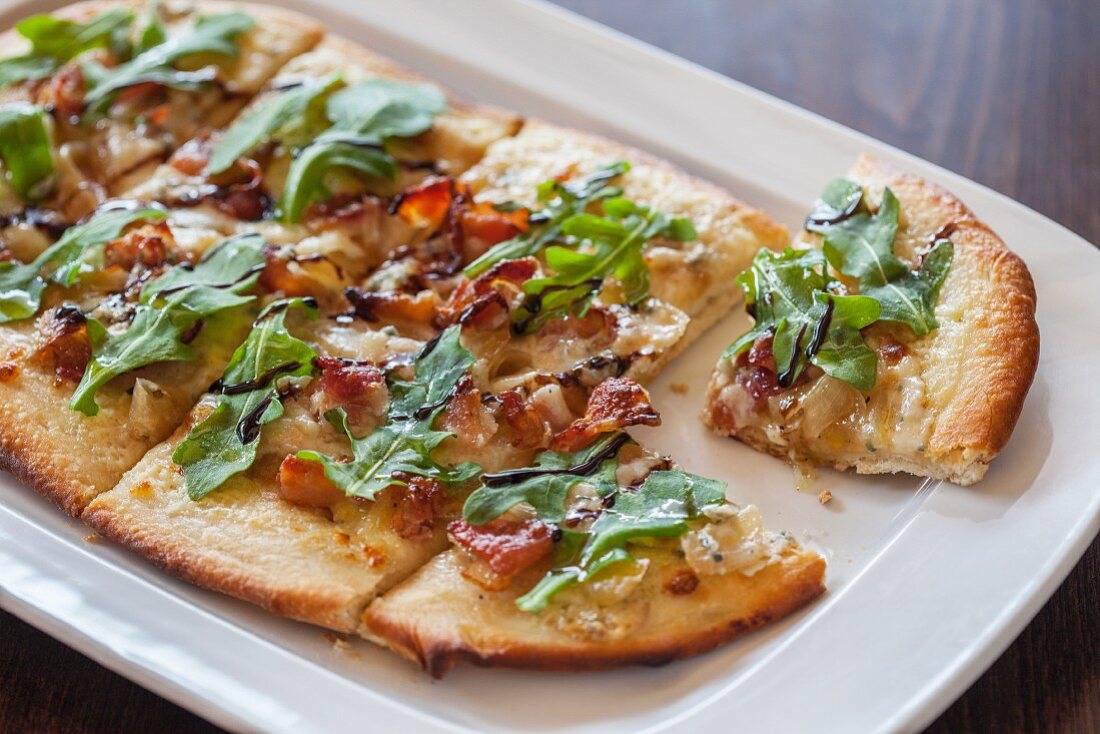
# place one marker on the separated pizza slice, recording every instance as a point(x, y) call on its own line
point(596, 558)
point(109, 336)
point(327, 462)
point(99, 93)
point(334, 138)
point(899, 337)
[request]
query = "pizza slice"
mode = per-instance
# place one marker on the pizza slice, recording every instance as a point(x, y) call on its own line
point(898, 336)
point(333, 139)
point(596, 558)
point(326, 463)
point(101, 92)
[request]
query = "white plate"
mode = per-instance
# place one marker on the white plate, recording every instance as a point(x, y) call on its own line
point(928, 583)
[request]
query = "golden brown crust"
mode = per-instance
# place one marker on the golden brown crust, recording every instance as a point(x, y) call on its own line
point(438, 618)
point(980, 363)
point(975, 369)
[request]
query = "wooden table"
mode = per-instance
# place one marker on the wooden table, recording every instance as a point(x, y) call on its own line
point(1006, 92)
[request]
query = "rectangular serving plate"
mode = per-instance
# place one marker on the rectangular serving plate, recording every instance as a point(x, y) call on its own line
point(928, 582)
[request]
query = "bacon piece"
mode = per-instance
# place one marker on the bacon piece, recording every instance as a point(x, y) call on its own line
point(484, 226)
point(393, 306)
point(303, 482)
point(503, 279)
point(298, 276)
point(760, 353)
point(615, 403)
point(191, 157)
point(357, 387)
point(508, 546)
point(523, 424)
point(148, 245)
point(426, 206)
point(65, 92)
point(63, 344)
point(467, 417)
point(415, 506)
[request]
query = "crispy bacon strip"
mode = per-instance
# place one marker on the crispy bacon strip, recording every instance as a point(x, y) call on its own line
point(508, 546)
point(148, 245)
point(357, 387)
point(303, 482)
point(393, 306)
point(484, 226)
point(426, 206)
point(63, 344)
point(502, 281)
point(414, 508)
point(616, 403)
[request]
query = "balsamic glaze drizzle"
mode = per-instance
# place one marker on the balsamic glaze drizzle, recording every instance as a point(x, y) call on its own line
point(248, 430)
point(585, 468)
point(256, 383)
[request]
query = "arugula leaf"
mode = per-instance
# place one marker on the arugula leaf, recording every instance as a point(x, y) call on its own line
point(213, 34)
point(560, 202)
point(55, 41)
point(25, 150)
point(405, 443)
point(252, 129)
point(861, 246)
point(364, 118)
point(21, 285)
point(168, 308)
point(606, 246)
point(788, 293)
point(546, 485)
point(226, 441)
point(660, 508)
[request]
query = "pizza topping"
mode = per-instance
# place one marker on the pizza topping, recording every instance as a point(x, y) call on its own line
point(508, 546)
point(225, 443)
point(404, 444)
point(596, 248)
point(861, 246)
point(735, 542)
point(168, 312)
point(790, 295)
point(55, 41)
point(26, 151)
point(485, 226)
point(415, 506)
point(560, 201)
point(682, 582)
point(22, 285)
point(660, 507)
point(148, 246)
point(277, 118)
point(614, 404)
point(213, 34)
point(501, 283)
point(64, 95)
point(359, 388)
point(363, 118)
point(426, 205)
point(63, 344)
point(303, 482)
point(393, 306)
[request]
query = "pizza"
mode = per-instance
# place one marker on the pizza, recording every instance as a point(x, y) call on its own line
point(897, 335)
point(317, 333)
point(106, 90)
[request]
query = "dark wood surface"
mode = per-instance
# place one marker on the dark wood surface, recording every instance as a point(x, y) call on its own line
point(1006, 92)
